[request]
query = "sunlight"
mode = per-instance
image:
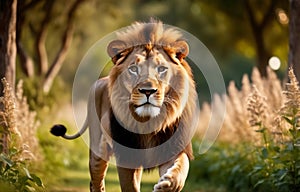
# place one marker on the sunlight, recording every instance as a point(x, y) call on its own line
point(274, 63)
point(282, 17)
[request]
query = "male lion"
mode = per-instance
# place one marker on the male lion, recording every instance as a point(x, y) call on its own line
point(144, 111)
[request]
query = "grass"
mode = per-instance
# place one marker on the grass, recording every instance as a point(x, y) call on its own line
point(78, 181)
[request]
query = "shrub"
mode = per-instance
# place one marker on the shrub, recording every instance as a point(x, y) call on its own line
point(18, 142)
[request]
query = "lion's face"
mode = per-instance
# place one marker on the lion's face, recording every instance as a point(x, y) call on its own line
point(152, 84)
point(147, 80)
point(150, 81)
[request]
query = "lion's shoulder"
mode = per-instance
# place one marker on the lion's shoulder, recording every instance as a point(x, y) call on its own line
point(102, 83)
point(100, 94)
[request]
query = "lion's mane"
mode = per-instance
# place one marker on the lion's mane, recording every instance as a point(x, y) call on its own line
point(179, 107)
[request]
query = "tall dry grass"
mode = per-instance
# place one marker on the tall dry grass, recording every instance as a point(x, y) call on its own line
point(236, 127)
point(18, 124)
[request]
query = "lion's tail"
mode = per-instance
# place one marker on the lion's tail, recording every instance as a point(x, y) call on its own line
point(60, 131)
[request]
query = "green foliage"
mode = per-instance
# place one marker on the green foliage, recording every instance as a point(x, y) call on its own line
point(15, 176)
point(39, 101)
point(61, 156)
point(223, 165)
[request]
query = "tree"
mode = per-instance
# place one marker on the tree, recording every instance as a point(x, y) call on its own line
point(8, 11)
point(258, 27)
point(260, 19)
point(294, 42)
point(38, 65)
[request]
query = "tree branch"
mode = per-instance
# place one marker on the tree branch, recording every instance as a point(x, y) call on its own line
point(257, 27)
point(269, 13)
point(253, 22)
point(41, 38)
point(66, 42)
point(25, 60)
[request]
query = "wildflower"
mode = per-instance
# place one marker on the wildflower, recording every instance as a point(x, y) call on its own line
point(291, 106)
point(257, 108)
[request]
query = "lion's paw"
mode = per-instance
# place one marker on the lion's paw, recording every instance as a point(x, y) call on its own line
point(168, 183)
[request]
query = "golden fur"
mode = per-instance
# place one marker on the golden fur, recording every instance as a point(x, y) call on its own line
point(160, 47)
point(150, 90)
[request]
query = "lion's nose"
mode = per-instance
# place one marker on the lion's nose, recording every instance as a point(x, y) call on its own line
point(147, 92)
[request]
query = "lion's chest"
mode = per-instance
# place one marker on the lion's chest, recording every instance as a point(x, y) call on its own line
point(136, 150)
point(138, 141)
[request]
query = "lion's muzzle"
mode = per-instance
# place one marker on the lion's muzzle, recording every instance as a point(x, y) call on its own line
point(146, 99)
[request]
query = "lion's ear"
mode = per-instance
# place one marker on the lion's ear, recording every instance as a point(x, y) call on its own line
point(181, 48)
point(178, 50)
point(118, 51)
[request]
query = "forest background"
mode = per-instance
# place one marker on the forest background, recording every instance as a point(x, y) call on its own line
point(47, 39)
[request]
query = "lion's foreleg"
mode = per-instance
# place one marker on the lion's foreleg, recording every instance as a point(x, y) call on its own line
point(98, 168)
point(130, 179)
point(173, 174)
point(98, 165)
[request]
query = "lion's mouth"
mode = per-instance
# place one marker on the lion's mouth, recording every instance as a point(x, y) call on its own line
point(146, 103)
point(147, 109)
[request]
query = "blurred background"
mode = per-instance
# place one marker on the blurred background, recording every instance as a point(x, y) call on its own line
point(250, 42)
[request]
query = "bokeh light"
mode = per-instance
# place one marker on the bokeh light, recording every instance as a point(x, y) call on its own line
point(274, 63)
point(282, 17)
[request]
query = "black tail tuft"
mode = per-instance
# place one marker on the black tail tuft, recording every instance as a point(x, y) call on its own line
point(58, 130)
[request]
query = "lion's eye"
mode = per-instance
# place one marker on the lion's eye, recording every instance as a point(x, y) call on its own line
point(133, 69)
point(162, 69)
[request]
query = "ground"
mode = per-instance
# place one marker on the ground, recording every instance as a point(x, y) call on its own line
point(78, 181)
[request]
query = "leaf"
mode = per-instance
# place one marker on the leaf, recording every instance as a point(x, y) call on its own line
point(6, 160)
point(27, 173)
point(29, 188)
point(37, 180)
point(235, 168)
point(259, 183)
point(258, 167)
point(260, 130)
point(288, 120)
point(282, 173)
point(264, 153)
point(254, 171)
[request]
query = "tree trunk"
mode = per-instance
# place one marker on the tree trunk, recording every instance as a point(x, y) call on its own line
point(58, 61)
point(294, 52)
point(42, 37)
point(8, 10)
point(262, 55)
point(258, 27)
point(8, 14)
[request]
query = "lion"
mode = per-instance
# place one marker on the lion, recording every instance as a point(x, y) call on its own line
point(144, 111)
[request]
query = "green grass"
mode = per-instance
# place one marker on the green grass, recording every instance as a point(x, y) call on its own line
point(112, 181)
point(78, 181)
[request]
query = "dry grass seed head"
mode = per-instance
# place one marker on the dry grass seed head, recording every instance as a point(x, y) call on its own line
point(291, 106)
point(256, 108)
point(18, 121)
